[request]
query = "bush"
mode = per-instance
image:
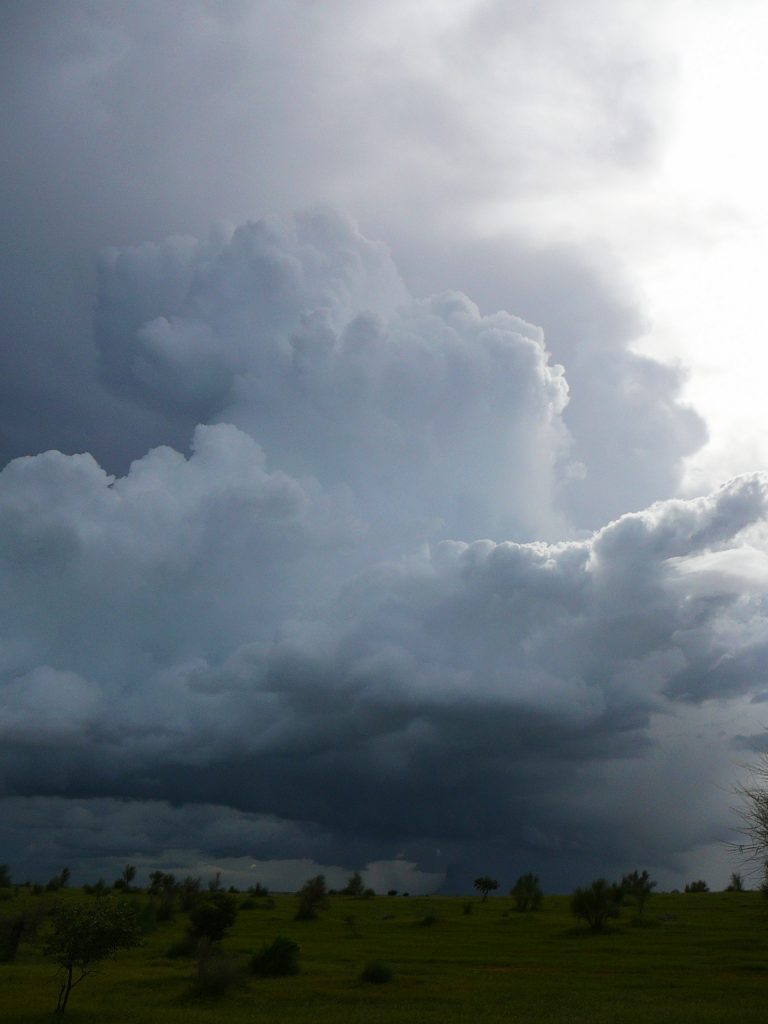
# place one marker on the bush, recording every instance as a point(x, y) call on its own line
point(698, 886)
point(354, 886)
point(596, 904)
point(376, 972)
point(527, 893)
point(277, 960)
point(638, 886)
point(213, 916)
point(312, 898)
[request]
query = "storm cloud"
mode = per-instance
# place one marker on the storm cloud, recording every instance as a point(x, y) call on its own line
point(297, 613)
point(335, 540)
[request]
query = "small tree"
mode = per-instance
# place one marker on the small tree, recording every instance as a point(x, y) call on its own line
point(698, 886)
point(736, 884)
point(486, 884)
point(354, 886)
point(527, 893)
point(128, 875)
point(638, 886)
point(312, 898)
point(596, 904)
point(84, 935)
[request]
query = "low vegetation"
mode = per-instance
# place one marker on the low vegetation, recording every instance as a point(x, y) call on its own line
point(367, 960)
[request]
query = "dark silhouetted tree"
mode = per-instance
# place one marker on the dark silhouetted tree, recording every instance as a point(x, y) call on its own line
point(354, 886)
point(312, 898)
point(597, 903)
point(698, 886)
point(486, 884)
point(736, 883)
point(527, 893)
point(128, 875)
point(638, 886)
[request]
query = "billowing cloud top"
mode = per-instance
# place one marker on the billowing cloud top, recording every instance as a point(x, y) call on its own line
point(296, 619)
point(308, 340)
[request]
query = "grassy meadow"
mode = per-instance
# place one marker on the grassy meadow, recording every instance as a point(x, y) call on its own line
point(697, 957)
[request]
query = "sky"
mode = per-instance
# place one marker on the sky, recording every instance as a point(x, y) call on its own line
point(384, 472)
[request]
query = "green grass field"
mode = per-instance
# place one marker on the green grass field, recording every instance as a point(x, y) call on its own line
point(701, 958)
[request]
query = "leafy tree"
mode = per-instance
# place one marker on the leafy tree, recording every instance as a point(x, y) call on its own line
point(486, 884)
point(354, 886)
point(698, 886)
point(596, 904)
point(527, 893)
point(85, 934)
point(312, 898)
point(128, 875)
point(638, 886)
point(736, 884)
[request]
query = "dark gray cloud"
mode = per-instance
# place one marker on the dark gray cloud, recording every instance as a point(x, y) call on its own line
point(131, 123)
point(186, 634)
point(263, 594)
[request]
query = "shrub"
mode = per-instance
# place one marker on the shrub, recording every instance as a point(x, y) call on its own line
point(213, 916)
point(638, 886)
point(376, 972)
point(596, 904)
point(277, 960)
point(698, 886)
point(312, 898)
point(354, 886)
point(527, 893)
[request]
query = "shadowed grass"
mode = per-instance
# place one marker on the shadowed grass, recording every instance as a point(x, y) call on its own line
point(698, 959)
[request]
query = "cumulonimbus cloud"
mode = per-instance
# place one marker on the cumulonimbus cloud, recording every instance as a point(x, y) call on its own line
point(298, 619)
